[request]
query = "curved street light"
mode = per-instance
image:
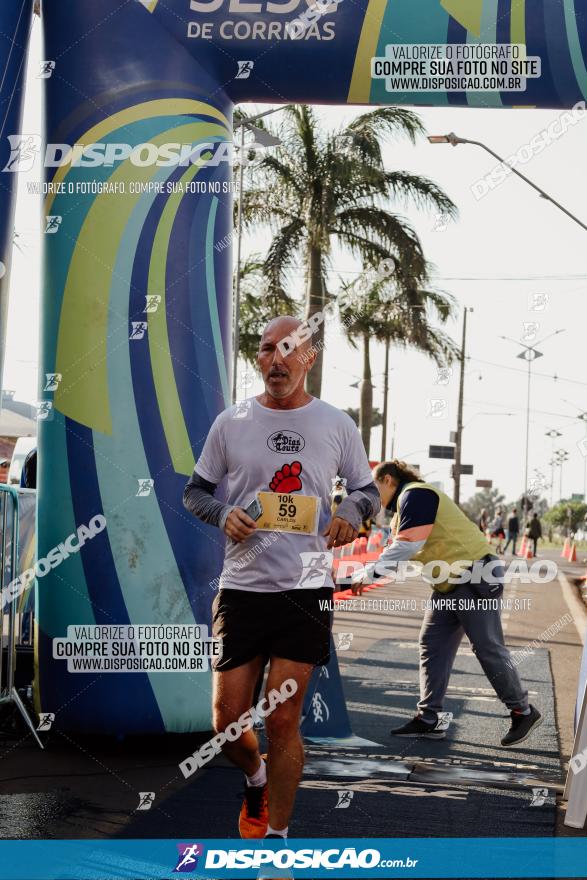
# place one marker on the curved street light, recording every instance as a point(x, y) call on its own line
point(455, 140)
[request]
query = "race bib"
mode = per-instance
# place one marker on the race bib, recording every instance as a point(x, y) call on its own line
point(288, 513)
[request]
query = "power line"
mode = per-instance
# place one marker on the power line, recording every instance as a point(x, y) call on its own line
point(554, 376)
point(533, 278)
point(522, 409)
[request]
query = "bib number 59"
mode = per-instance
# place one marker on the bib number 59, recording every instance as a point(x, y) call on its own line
point(287, 506)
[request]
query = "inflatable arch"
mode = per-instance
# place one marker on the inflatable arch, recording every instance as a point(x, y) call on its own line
point(136, 323)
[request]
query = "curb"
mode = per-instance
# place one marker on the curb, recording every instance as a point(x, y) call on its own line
point(575, 605)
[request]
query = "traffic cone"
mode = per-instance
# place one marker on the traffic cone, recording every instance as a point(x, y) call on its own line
point(572, 557)
point(373, 543)
point(523, 546)
point(566, 548)
point(527, 554)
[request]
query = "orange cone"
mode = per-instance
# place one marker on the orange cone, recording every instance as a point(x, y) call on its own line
point(572, 557)
point(523, 546)
point(566, 548)
point(527, 554)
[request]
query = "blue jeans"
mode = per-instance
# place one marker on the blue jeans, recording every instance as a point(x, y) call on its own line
point(512, 538)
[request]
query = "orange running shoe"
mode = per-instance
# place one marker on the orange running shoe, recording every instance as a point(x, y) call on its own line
point(254, 815)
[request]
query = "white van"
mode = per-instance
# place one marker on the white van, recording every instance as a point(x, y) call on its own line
point(19, 453)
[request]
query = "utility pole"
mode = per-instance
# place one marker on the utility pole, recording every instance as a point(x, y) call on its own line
point(237, 285)
point(582, 418)
point(459, 443)
point(529, 354)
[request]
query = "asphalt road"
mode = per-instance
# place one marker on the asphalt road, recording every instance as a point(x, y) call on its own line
point(465, 785)
point(381, 680)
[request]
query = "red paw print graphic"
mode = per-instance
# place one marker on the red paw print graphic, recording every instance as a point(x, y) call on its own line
point(288, 478)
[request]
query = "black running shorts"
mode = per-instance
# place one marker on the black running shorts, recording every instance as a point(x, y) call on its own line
point(291, 625)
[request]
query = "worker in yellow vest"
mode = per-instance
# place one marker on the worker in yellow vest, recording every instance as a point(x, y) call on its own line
point(467, 584)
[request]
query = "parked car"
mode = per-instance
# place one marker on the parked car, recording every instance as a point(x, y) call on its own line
point(21, 450)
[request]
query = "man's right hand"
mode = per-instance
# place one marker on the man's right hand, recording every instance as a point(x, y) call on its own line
point(239, 525)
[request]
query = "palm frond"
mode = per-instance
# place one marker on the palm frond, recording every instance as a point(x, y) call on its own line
point(420, 191)
point(282, 252)
point(385, 122)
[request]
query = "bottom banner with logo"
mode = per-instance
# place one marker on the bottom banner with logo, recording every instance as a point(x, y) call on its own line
point(312, 858)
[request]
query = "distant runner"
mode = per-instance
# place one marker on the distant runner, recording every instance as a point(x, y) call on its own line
point(513, 530)
point(534, 533)
point(281, 453)
point(432, 528)
point(497, 530)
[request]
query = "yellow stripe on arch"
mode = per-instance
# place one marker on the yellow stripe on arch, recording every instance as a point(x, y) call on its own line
point(139, 113)
point(518, 21)
point(82, 343)
point(360, 88)
point(170, 410)
point(468, 13)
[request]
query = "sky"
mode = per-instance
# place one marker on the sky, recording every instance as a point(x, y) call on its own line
point(505, 249)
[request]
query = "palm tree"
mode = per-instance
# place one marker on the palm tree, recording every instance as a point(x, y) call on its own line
point(258, 306)
point(402, 319)
point(324, 188)
point(488, 499)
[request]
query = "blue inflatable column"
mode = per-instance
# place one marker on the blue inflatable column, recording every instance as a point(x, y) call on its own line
point(136, 330)
point(15, 24)
point(325, 719)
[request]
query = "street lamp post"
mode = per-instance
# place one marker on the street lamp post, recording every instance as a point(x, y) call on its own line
point(529, 354)
point(237, 286)
point(553, 465)
point(455, 140)
point(553, 434)
point(561, 456)
point(393, 441)
point(385, 400)
point(265, 139)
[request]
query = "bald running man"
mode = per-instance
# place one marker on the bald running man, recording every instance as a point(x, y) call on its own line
point(279, 455)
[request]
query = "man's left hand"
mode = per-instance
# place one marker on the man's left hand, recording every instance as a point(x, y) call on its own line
point(339, 532)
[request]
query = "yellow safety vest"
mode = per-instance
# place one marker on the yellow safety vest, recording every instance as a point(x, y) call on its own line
point(453, 537)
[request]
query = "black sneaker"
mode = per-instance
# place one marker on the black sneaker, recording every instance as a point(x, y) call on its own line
point(417, 727)
point(522, 727)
